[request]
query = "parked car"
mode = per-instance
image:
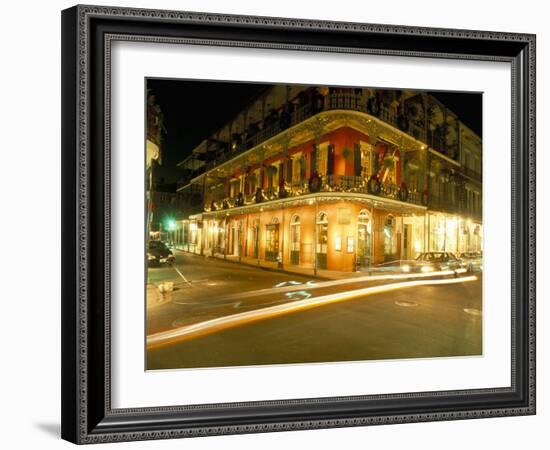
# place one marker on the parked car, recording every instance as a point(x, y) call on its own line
point(473, 261)
point(434, 261)
point(159, 253)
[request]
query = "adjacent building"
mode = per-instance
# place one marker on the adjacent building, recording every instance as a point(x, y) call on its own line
point(336, 179)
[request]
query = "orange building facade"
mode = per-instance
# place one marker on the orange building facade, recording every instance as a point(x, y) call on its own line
point(335, 184)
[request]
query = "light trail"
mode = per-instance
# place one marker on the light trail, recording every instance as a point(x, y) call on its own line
point(323, 284)
point(210, 326)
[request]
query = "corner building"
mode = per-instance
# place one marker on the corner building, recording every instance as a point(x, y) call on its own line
point(335, 179)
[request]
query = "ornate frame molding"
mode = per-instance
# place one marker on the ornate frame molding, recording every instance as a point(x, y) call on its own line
point(85, 420)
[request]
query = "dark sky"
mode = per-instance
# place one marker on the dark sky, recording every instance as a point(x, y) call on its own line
point(195, 109)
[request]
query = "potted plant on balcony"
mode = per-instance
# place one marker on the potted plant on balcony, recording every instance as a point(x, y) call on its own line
point(282, 191)
point(240, 199)
point(389, 161)
point(314, 184)
point(373, 185)
point(403, 193)
point(259, 196)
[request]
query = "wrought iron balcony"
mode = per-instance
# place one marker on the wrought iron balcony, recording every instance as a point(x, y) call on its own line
point(329, 183)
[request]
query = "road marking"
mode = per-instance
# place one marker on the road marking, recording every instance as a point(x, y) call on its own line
point(299, 294)
point(405, 303)
point(210, 326)
point(181, 275)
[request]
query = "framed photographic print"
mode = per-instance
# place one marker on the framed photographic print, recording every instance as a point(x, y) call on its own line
point(267, 222)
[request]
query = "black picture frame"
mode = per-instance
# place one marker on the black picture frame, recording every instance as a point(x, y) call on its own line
point(87, 32)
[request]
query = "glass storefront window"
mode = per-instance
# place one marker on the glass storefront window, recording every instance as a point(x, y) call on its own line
point(295, 240)
point(390, 241)
point(322, 232)
point(271, 241)
point(295, 234)
point(322, 240)
point(364, 238)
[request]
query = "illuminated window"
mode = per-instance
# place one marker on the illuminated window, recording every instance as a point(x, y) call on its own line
point(235, 187)
point(322, 232)
point(272, 240)
point(295, 240)
point(322, 240)
point(295, 234)
point(364, 237)
point(322, 159)
point(351, 244)
point(338, 243)
point(390, 241)
point(366, 151)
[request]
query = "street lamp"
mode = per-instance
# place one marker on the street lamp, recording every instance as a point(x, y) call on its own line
point(171, 225)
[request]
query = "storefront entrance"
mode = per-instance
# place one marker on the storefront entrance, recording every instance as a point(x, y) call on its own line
point(256, 238)
point(271, 242)
point(364, 240)
point(322, 240)
point(295, 240)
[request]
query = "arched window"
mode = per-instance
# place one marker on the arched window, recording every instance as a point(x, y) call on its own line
point(322, 239)
point(322, 217)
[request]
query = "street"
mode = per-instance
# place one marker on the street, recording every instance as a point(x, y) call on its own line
point(226, 314)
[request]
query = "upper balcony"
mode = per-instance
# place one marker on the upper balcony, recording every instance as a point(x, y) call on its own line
point(418, 115)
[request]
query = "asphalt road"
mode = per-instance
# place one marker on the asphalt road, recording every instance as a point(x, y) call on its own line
point(202, 286)
point(420, 321)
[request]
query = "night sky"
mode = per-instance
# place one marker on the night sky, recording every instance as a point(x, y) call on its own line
point(195, 109)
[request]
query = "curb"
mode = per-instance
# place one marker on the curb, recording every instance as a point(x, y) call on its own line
point(271, 269)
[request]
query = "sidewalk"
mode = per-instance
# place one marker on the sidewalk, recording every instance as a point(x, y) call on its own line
point(302, 269)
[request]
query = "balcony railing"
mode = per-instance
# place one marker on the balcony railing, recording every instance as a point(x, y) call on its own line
point(329, 183)
point(471, 173)
point(347, 183)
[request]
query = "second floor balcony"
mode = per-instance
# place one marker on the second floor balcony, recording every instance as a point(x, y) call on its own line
point(326, 184)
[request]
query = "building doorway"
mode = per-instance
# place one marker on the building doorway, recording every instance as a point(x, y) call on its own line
point(256, 238)
point(390, 239)
point(295, 240)
point(322, 240)
point(272, 242)
point(232, 240)
point(364, 240)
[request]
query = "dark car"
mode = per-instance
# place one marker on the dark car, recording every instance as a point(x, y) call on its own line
point(159, 253)
point(439, 261)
